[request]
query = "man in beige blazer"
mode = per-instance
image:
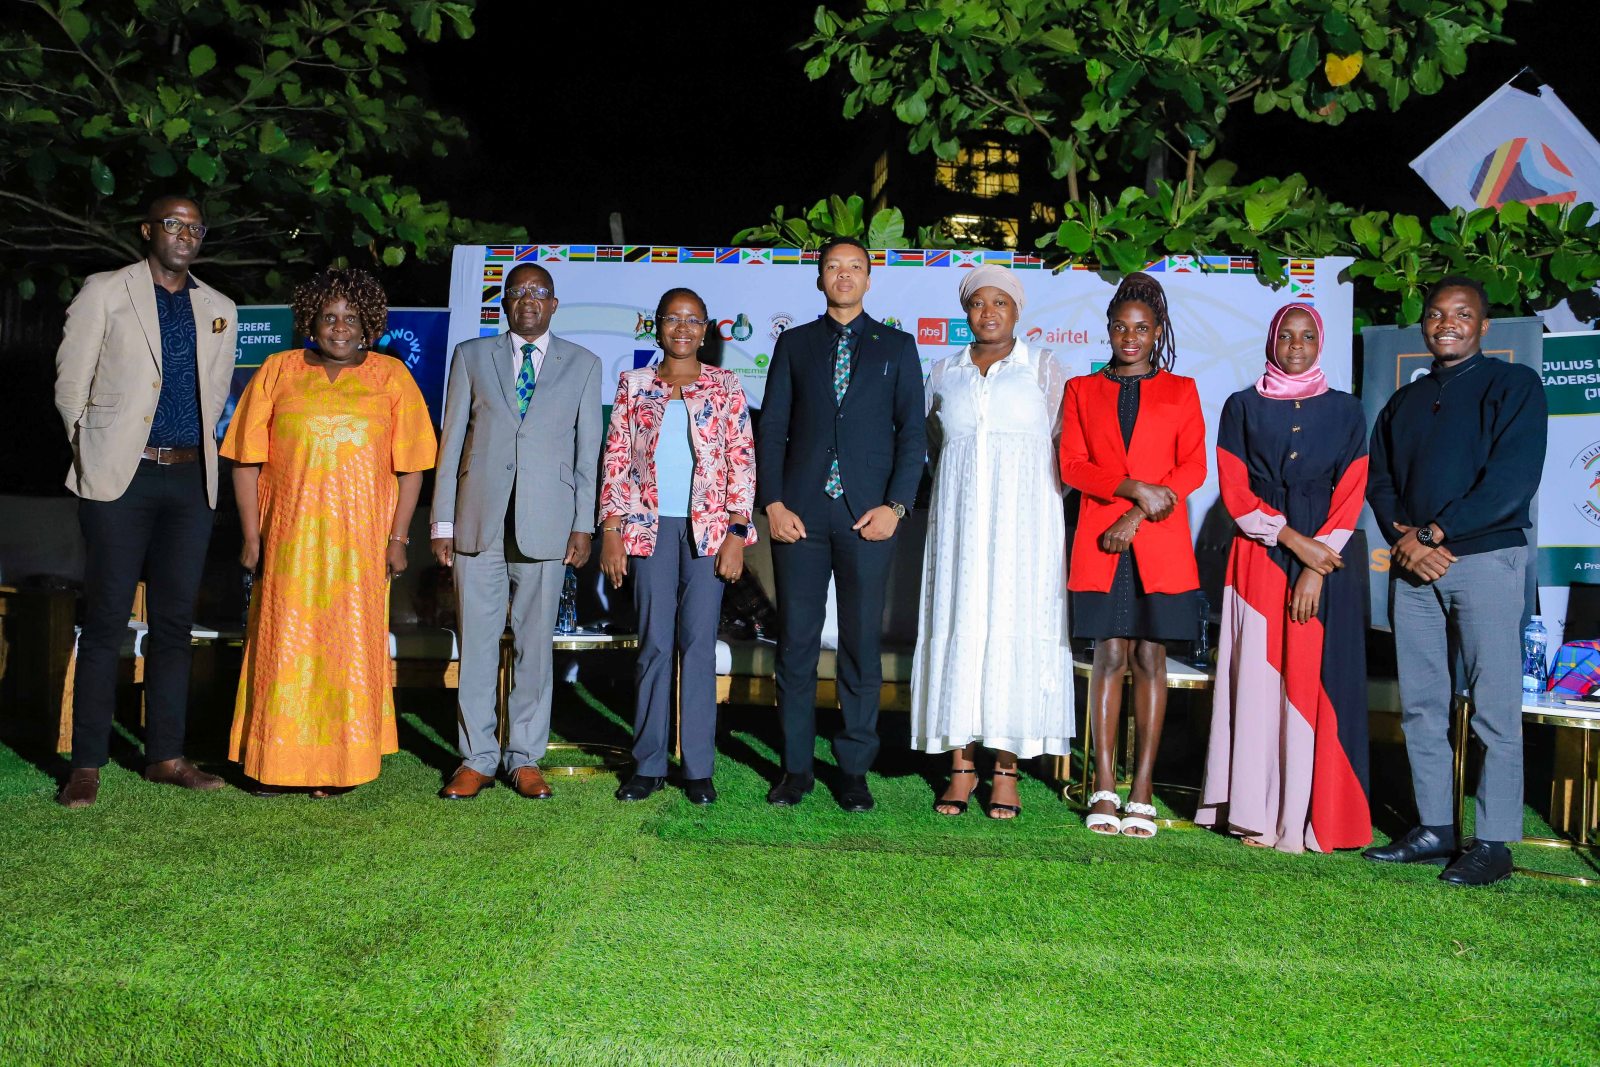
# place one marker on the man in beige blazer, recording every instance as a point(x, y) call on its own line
point(141, 378)
point(513, 504)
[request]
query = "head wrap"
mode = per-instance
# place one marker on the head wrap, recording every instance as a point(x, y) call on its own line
point(1278, 384)
point(1002, 278)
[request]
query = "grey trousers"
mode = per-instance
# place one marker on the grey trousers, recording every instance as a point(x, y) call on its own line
point(484, 580)
point(1476, 606)
point(679, 598)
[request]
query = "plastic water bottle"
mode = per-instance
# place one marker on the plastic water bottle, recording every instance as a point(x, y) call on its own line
point(1535, 670)
point(567, 614)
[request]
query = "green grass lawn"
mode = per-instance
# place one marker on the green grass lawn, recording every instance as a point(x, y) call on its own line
point(388, 927)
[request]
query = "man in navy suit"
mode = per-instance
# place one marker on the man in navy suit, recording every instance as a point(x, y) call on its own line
point(839, 452)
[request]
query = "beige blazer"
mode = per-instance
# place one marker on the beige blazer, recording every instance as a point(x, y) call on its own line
point(108, 376)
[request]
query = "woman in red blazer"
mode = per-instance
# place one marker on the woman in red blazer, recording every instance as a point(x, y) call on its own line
point(1133, 444)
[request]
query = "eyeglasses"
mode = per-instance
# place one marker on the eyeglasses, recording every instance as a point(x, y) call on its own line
point(528, 292)
point(674, 320)
point(197, 230)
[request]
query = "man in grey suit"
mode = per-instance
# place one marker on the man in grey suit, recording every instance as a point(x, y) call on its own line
point(513, 505)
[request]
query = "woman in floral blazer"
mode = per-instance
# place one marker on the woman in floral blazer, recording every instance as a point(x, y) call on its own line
point(679, 483)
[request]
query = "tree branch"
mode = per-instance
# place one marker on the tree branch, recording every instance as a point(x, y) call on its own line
point(111, 83)
point(1021, 110)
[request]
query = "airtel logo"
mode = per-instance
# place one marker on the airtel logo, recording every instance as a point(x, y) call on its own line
point(1057, 337)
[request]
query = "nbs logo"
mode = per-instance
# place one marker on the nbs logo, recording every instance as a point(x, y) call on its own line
point(943, 332)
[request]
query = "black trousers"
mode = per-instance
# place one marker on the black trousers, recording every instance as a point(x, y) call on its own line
point(860, 569)
point(158, 529)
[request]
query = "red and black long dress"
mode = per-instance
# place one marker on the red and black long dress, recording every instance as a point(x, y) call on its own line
point(1287, 761)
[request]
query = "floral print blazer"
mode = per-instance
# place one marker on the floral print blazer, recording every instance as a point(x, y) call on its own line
point(724, 458)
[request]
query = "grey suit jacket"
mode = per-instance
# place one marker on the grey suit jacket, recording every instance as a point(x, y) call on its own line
point(108, 376)
point(551, 456)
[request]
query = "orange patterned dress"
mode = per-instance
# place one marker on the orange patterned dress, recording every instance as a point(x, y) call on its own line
point(315, 707)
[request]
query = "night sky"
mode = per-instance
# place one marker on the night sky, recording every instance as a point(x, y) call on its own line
point(693, 121)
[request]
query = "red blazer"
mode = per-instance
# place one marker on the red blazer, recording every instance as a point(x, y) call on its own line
point(1168, 448)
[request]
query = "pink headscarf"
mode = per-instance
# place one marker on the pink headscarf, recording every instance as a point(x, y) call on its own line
point(1278, 384)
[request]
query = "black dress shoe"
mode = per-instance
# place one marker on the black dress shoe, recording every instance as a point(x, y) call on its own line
point(639, 786)
point(1420, 845)
point(699, 790)
point(1482, 864)
point(854, 794)
point(791, 789)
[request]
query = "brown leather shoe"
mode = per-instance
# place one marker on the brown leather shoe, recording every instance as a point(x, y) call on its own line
point(183, 774)
point(465, 784)
point(530, 783)
point(81, 788)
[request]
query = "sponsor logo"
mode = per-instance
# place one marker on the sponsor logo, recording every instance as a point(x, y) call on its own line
point(779, 323)
point(738, 328)
point(645, 328)
point(402, 344)
point(1583, 482)
point(762, 360)
point(893, 322)
point(1057, 336)
point(943, 332)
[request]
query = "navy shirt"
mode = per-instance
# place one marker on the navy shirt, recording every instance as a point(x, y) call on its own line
point(852, 329)
point(1462, 446)
point(177, 419)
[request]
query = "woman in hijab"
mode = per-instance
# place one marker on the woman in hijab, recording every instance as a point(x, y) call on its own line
point(993, 666)
point(1287, 763)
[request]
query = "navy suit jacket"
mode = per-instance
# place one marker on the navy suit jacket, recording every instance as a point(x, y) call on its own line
point(877, 431)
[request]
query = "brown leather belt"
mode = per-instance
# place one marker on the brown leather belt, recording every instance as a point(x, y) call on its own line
point(166, 457)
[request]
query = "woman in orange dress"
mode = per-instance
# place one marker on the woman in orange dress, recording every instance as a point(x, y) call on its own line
point(328, 444)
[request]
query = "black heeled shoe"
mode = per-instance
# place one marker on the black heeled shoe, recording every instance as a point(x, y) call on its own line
point(1014, 809)
point(959, 805)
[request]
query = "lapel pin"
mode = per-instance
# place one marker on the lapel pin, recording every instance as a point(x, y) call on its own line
point(218, 325)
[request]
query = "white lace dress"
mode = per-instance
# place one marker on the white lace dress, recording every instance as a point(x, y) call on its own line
point(992, 661)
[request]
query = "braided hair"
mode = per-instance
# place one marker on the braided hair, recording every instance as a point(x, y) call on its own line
point(356, 287)
point(1139, 287)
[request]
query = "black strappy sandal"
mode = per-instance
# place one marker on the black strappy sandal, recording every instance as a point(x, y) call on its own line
point(1014, 809)
point(959, 805)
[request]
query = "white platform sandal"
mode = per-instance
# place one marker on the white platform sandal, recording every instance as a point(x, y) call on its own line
point(1112, 825)
point(1140, 817)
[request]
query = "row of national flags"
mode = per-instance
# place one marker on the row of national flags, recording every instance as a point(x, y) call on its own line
point(497, 256)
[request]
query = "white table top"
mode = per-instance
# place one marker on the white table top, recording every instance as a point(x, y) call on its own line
point(1549, 704)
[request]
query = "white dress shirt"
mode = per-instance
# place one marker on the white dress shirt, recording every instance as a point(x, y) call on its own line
point(541, 344)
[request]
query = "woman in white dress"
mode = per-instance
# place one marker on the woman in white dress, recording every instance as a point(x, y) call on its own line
point(993, 666)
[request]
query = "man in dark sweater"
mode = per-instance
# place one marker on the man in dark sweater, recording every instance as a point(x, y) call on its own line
point(1456, 458)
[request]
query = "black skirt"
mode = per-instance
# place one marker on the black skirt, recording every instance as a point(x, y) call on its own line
point(1128, 611)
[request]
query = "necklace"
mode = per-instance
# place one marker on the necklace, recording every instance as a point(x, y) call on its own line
point(1438, 401)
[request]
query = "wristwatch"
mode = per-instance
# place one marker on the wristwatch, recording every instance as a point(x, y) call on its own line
point(1425, 536)
point(898, 509)
point(739, 530)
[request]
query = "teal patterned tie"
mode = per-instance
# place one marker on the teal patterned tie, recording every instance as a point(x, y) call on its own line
point(525, 379)
point(841, 382)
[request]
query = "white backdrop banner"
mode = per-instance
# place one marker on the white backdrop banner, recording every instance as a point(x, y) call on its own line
point(1220, 310)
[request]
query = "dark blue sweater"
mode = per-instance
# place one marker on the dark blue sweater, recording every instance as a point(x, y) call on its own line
point(1462, 446)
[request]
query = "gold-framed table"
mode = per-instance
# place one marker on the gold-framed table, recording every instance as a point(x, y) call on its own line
point(577, 641)
point(1543, 710)
point(1180, 676)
